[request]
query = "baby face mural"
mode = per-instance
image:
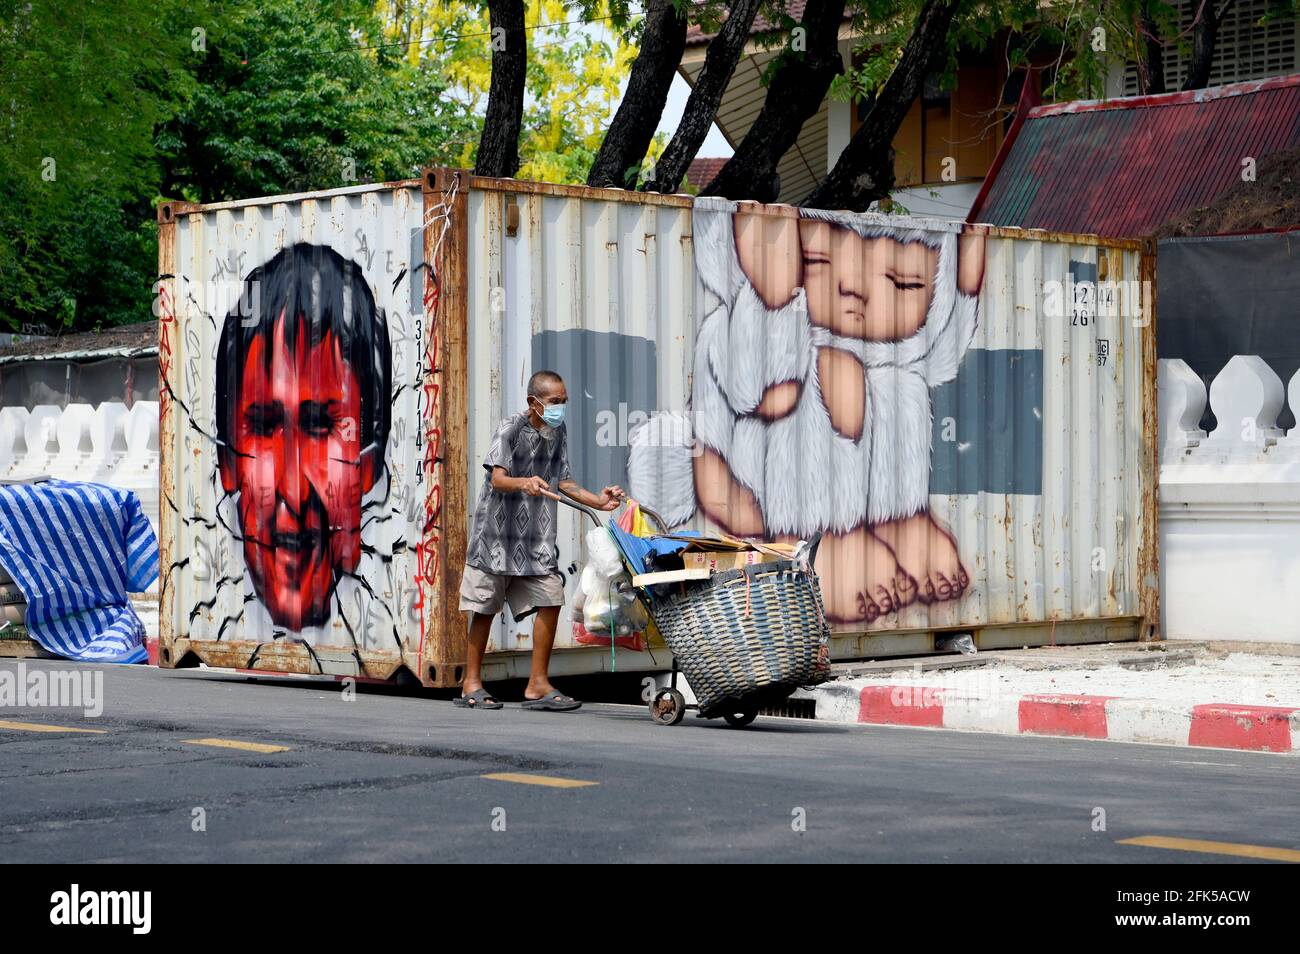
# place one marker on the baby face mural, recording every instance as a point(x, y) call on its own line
point(821, 339)
point(303, 397)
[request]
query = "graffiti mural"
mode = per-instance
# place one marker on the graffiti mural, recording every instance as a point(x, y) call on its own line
point(819, 343)
point(292, 490)
point(302, 399)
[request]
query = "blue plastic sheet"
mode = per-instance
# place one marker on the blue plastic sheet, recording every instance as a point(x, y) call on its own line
point(637, 550)
point(76, 550)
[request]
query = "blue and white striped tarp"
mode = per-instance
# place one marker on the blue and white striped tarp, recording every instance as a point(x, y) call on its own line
point(76, 550)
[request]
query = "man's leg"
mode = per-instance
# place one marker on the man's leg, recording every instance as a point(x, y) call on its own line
point(481, 595)
point(539, 680)
point(479, 628)
point(545, 595)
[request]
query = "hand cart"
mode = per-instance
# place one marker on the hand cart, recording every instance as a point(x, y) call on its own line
point(744, 638)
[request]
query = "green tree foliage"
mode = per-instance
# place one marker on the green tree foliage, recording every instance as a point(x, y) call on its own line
point(81, 96)
point(110, 105)
point(291, 95)
point(579, 54)
point(1074, 43)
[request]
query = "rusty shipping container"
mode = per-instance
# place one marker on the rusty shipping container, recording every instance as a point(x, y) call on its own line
point(966, 413)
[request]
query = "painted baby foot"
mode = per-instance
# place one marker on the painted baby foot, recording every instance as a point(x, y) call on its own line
point(929, 553)
point(861, 579)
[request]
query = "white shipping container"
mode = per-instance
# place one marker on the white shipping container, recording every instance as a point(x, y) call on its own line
point(965, 415)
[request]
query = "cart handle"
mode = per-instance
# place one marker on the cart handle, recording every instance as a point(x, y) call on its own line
point(568, 501)
point(813, 544)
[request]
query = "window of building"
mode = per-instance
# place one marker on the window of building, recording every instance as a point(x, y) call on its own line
point(1244, 51)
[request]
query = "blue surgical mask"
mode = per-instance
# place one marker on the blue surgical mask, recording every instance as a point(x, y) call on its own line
point(553, 414)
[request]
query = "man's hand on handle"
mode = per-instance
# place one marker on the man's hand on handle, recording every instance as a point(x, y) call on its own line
point(611, 497)
point(607, 499)
point(534, 486)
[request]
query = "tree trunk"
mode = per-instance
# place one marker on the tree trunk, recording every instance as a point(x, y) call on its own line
point(864, 171)
point(1152, 69)
point(702, 106)
point(1205, 36)
point(498, 148)
point(793, 97)
point(662, 42)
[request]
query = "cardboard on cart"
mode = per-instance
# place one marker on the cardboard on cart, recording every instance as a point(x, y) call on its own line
point(670, 576)
point(720, 560)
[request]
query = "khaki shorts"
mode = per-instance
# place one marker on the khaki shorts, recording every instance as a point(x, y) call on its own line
point(483, 592)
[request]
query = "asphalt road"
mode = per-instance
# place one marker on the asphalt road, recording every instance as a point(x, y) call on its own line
point(388, 777)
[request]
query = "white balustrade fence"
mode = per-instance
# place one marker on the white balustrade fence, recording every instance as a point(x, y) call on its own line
point(108, 444)
point(1229, 504)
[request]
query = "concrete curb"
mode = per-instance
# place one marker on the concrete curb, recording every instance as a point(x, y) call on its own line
point(1214, 725)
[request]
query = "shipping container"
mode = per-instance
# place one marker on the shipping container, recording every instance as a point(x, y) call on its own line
point(965, 413)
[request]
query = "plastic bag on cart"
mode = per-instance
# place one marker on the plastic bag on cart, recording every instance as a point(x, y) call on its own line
point(587, 581)
point(634, 522)
point(635, 640)
point(610, 607)
point(606, 611)
point(604, 566)
point(602, 553)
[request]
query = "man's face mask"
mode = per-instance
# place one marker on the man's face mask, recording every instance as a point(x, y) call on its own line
point(552, 414)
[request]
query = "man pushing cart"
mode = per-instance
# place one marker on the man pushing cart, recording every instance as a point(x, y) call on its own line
point(744, 621)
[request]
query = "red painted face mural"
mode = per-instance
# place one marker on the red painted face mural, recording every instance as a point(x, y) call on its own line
point(298, 473)
point(302, 384)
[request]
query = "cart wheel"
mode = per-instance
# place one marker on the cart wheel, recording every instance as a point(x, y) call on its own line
point(738, 720)
point(667, 707)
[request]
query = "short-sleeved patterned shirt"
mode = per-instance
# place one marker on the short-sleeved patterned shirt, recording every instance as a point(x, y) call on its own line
point(514, 534)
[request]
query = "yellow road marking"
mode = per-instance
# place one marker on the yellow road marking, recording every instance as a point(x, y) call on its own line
point(236, 744)
point(38, 727)
point(1215, 847)
point(547, 780)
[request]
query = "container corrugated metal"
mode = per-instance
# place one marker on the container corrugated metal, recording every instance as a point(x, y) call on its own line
point(599, 286)
point(368, 596)
point(729, 365)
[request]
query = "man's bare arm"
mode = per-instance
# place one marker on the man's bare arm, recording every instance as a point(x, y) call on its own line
point(504, 483)
point(608, 499)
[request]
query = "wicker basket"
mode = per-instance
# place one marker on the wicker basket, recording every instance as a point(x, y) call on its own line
point(748, 636)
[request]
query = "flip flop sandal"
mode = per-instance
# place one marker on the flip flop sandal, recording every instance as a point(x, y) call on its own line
point(478, 699)
point(553, 702)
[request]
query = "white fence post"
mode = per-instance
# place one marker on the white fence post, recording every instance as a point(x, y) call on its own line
point(1229, 507)
point(1182, 404)
point(138, 468)
point(40, 432)
point(13, 438)
point(1246, 397)
point(108, 441)
point(1288, 448)
point(73, 432)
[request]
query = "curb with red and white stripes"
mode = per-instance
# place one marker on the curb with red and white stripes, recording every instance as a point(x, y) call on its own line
point(1161, 722)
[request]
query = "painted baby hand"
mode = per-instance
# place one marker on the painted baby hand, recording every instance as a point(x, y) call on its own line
point(970, 261)
point(767, 244)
